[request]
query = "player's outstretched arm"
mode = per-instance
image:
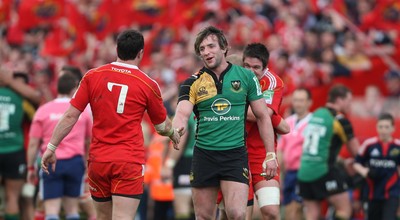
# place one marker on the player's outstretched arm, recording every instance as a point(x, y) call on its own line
point(267, 135)
point(62, 129)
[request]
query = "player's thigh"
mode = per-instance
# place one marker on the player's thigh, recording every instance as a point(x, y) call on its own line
point(204, 201)
point(235, 195)
point(268, 193)
point(103, 209)
point(340, 201)
point(124, 208)
point(183, 201)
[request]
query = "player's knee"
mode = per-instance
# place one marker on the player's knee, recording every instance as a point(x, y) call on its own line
point(233, 213)
point(270, 212)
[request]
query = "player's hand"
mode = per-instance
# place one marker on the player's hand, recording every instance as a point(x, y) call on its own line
point(32, 177)
point(49, 159)
point(176, 136)
point(270, 166)
point(166, 173)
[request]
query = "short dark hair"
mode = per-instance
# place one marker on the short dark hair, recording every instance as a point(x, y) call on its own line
point(257, 50)
point(210, 30)
point(73, 70)
point(66, 83)
point(338, 91)
point(307, 91)
point(21, 75)
point(129, 44)
point(386, 116)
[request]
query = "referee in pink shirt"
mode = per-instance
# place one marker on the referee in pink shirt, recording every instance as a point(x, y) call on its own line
point(65, 185)
point(290, 146)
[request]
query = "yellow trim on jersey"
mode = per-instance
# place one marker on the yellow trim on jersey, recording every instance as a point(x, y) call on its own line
point(338, 129)
point(28, 109)
point(202, 89)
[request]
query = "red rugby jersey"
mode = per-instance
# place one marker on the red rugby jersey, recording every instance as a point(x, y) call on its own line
point(119, 94)
point(272, 87)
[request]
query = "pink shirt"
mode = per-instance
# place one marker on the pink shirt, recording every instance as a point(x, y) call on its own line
point(291, 144)
point(46, 119)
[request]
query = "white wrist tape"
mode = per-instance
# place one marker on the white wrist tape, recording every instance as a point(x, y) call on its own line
point(170, 132)
point(51, 147)
point(269, 157)
point(170, 163)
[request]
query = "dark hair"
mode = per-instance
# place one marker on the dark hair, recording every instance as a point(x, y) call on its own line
point(386, 116)
point(21, 75)
point(129, 44)
point(66, 83)
point(73, 70)
point(257, 50)
point(210, 30)
point(307, 91)
point(338, 91)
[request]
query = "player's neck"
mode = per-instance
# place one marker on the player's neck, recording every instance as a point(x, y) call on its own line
point(302, 115)
point(134, 62)
point(60, 96)
point(385, 139)
point(332, 106)
point(220, 69)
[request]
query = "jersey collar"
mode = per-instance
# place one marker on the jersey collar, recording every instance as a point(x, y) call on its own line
point(125, 65)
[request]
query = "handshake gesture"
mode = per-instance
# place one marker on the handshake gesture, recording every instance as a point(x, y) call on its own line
point(175, 136)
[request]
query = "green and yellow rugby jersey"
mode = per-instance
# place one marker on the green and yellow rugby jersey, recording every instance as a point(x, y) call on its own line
point(11, 116)
point(323, 138)
point(220, 105)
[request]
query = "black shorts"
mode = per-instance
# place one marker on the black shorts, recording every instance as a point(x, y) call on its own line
point(209, 167)
point(182, 172)
point(383, 209)
point(13, 165)
point(332, 183)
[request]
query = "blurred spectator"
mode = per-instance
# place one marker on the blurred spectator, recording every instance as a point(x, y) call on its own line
point(392, 79)
point(370, 104)
point(392, 103)
point(352, 57)
point(331, 66)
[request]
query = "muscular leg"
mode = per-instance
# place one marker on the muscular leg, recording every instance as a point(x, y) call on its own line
point(103, 210)
point(71, 206)
point(235, 199)
point(13, 190)
point(204, 200)
point(312, 209)
point(52, 207)
point(124, 208)
point(268, 197)
point(293, 211)
point(183, 203)
point(341, 202)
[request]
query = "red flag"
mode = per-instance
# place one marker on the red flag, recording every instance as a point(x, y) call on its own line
point(39, 12)
point(185, 12)
point(99, 20)
point(147, 12)
point(5, 8)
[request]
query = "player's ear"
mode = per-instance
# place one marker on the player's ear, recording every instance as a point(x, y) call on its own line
point(140, 54)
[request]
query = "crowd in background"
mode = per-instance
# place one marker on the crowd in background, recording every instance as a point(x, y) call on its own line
point(312, 42)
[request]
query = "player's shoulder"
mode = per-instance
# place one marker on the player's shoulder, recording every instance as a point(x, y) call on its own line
point(367, 144)
point(195, 76)
point(275, 79)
